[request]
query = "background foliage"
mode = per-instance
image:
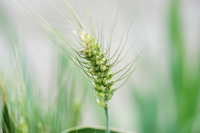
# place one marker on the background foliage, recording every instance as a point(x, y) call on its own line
point(45, 92)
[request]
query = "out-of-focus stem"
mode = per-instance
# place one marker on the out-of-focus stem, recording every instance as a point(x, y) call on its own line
point(3, 92)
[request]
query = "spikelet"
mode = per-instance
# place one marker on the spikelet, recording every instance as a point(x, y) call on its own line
point(98, 68)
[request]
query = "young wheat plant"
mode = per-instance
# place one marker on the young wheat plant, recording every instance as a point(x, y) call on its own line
point(91, 56)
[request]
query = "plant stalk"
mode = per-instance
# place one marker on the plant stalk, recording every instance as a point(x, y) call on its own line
point(3, 93)
point(107, 120)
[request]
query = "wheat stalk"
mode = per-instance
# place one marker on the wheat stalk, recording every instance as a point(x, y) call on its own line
point(3, 92)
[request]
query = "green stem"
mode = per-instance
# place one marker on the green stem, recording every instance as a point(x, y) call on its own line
point(3, 93)
point(107, 120)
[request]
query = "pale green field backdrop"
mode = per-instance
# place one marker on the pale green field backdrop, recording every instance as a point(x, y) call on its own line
point(161, 96)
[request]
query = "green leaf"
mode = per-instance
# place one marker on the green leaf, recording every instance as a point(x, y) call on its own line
point(6, 124)
point(94, 129)
point(184, 72)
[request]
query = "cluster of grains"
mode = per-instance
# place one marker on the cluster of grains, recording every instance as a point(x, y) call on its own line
point(98, 67)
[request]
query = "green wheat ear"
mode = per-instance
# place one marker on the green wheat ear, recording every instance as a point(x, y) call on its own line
point(94, 64)
point(98, 67)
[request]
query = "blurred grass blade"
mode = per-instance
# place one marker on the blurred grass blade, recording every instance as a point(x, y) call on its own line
point(185, 77)
point(6, 123)
point(176, 47)
point(147, 111)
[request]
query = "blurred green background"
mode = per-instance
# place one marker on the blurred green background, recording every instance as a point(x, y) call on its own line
point(46, 93)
